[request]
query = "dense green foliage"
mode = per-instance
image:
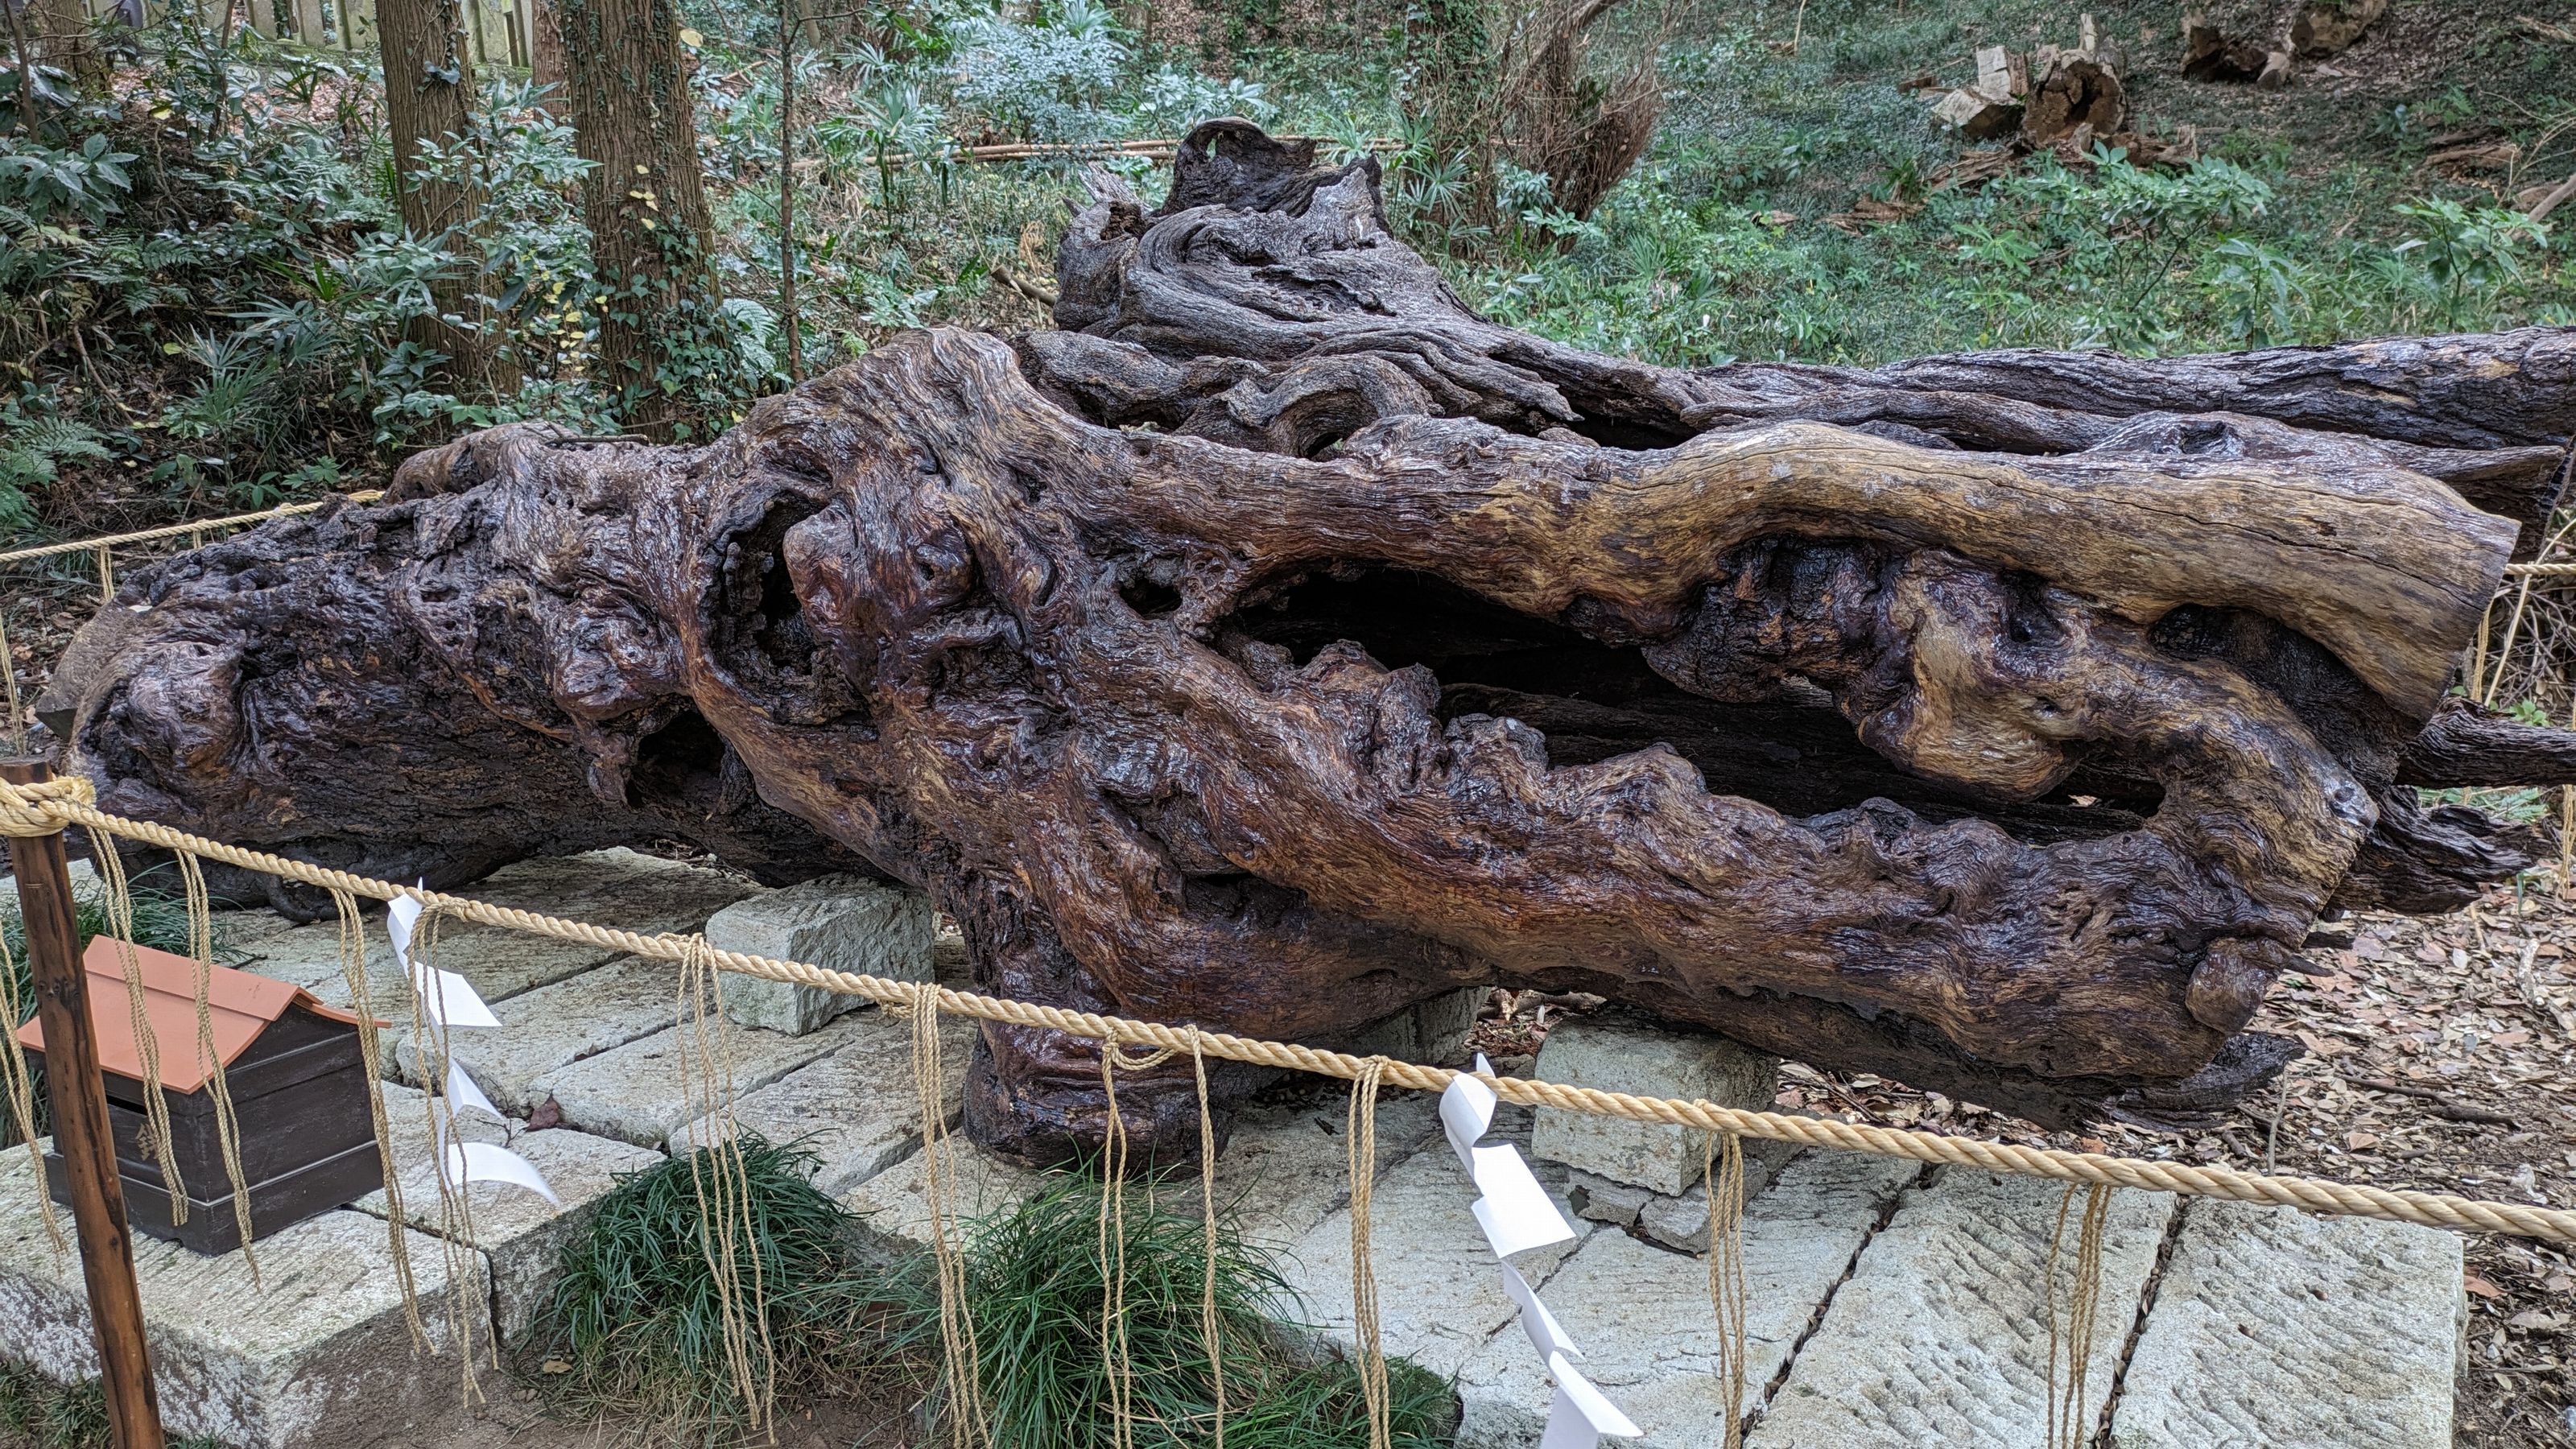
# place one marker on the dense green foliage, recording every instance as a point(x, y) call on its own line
point(213, 306)
point(1035, 1279)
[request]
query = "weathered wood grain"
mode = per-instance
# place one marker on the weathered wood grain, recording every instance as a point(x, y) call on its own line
point(1291, 646)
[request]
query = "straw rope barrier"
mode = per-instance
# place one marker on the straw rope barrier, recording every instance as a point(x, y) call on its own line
point(45, 809)
point(174, 530)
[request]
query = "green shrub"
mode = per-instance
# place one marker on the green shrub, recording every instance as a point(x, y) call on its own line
point(635, 1323)
point(633, 1326)
point(1035, 1281)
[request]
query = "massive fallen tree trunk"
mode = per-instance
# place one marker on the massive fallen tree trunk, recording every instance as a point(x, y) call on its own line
point(1292, 646)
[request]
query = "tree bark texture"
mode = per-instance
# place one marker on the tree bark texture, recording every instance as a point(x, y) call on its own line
point(429, 84)
point(1288, 645)
point(546, 50)
point(627, 84)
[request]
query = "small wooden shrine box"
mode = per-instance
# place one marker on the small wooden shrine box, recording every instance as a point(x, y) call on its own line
point(298, 1085)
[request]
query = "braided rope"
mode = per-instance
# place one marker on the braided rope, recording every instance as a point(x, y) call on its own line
point(106, 541)
point(49, 807)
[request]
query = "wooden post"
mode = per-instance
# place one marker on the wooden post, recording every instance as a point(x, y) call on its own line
point(81, 1135)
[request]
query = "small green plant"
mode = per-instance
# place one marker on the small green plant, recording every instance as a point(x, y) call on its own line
point(1035, 1281)
point(2466, 250)
point(637, 1321)
point(38, 1413)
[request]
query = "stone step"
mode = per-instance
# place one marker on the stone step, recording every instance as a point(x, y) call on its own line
point(857, 1109)
point(1440, 1294)
point(316, 1353)
point(894, 1205)
point(1286, 1167)
point(637, 1093)
point(520, 1234)
point(1642, 1316)
point(616, 887)
point(552, 1027)
point(1941, 1335)
point(2275, 1330)
point(838, 922)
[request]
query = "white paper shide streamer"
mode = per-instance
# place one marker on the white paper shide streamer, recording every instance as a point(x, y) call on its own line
point(449, 1001)
point(1517, 1215)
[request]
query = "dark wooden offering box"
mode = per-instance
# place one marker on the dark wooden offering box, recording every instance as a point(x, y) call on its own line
point(299, 1093)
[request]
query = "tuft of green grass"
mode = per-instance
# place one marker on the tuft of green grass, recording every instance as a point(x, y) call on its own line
point(38, 1413)
point(635, 1321)
point(633, 1327)
point(1035, 1281)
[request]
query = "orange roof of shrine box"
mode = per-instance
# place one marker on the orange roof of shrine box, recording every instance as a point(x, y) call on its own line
point(239, 1004)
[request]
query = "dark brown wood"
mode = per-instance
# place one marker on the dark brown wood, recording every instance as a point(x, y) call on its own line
point(2467, 744)
point(1282, 645)
point(82, 1134)
point(299, 1097)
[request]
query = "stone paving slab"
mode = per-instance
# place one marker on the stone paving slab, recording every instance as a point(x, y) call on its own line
point(317, 1354)
point(520, 1233)
point(615, 887)
point(1286, 1167)
point(1641, 1313)
point(838, 922)
point(894, 1205)
point(1941, 1334)
point(2275, 1330)
point(635, 1093)
point(1618, 1055)
point(554, 1026)
point(1440, 1295)
point(856, 1109)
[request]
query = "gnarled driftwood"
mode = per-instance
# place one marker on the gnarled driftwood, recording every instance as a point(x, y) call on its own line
point(1280, 645)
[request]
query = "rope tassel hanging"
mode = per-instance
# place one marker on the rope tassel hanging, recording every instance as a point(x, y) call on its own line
point(371, 1051)
point(1208, 1325)
point(47, 808)
point(1113, 1241)
point(1360, 1147)
point(2067, 1428)
point(726, 1229)
point(959, 1355)
point(201, 952)
point(147, 1044)
point(1722, 1179)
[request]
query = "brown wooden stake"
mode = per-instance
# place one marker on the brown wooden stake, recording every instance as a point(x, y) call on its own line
point(81, 1135)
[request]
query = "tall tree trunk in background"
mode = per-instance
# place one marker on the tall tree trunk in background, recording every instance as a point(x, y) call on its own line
point(429, 83)
point(546, 50)
point(1457, 45)
point(661, 340)
point(65, 41)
